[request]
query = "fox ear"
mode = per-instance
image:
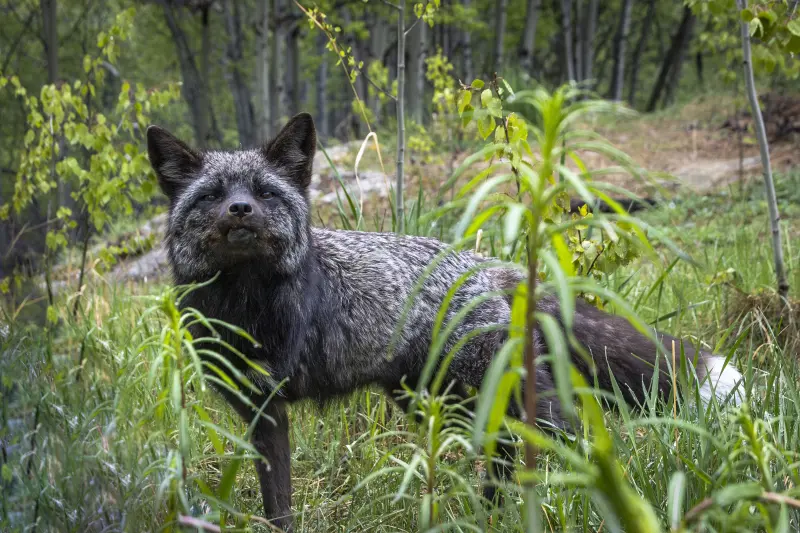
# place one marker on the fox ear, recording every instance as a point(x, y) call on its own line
point(293, 149)
point(173, 161)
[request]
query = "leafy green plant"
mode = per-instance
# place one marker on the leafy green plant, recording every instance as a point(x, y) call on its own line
point(72, 144)
point(180, 363)
point(534, 224)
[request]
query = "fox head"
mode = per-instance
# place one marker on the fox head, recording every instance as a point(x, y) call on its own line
point(245, 210)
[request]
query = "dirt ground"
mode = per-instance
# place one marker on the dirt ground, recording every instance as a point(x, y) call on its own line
point(693, 147)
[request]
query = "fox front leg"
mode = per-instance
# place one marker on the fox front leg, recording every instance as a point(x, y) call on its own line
point(271, 440)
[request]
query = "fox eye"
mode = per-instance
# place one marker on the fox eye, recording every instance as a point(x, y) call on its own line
point(210, 197)
point(266, 195)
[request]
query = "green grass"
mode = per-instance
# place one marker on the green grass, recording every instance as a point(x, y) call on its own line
point(89, 438)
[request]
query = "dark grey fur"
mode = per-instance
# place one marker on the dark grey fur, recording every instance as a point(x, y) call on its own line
point(324, 304)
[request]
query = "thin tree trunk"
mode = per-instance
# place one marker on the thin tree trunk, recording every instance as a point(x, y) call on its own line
point(466, 40)
point(499, 36)
point(401, 125)
point(361, 51)
point(210, 120)
point(447, 40)
point(242, 101)
point(566, 30)
point(639, 51)
point(49, 10)
point(675, 73)
point(277, 87)
point(620, 40)
point(529, 36)
point(675, 53)
point(763, 146)
point(193, 87)
point(293, 65)
point(587, 41)
point(698, 61)
point(577, 40)
point(416, 74)
point(323, 127)
point(378, 45)
point(263, 71)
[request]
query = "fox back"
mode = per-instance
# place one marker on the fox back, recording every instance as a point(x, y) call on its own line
point(323, 305)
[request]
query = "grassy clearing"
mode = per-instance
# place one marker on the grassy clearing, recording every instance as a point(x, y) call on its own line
point(88, 444)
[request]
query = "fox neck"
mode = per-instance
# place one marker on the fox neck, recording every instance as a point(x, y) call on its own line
point(254, 296)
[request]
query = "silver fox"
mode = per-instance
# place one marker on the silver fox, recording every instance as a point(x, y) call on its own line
point(324, 304)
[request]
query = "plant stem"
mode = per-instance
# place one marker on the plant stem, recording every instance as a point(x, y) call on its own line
point(530, 345)
point(86, 236)
point(401, 124)
point(763, 145)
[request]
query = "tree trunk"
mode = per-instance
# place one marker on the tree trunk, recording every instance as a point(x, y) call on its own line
point(401, 125)
point(263, 72)
point(378, 45)
point(213, 132)
point(466, 54)
point(698, 61)
point(763, 145)
point(416, 73)
point(49, 10)
point(587, 40)
point(566, 30)
point(361, 51)
point(499, 36)
point(242, 102)
point(529, 36)
point(639, 51)
point(673, 57)
point(675, 73)
point(293, 64)
point(193, 88)
point(277, 85)
point(323, 128)
point(620, 40)
point(577, 39)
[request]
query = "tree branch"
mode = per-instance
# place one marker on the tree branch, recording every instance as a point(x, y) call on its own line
point(411, 27)
point(394, 6)
point(379, 89)
point(14, 46)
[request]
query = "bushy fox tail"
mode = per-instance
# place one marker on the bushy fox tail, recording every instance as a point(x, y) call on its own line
point(617, 349)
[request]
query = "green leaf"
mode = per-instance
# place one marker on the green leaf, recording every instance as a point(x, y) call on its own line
point(228, 480)
point(513, 221)
point(747, 15)
point(564, 255)
point(176, 390)
point(559, 359)
point(676, 493)
point(464, 100)
point(52, 315)
point(477, 84)
point(486, 126)
point(735, 493)
point(794, 27)
point(486, 97)
point(793, 45)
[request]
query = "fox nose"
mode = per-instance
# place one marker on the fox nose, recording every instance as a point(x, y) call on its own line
point(240, 209)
